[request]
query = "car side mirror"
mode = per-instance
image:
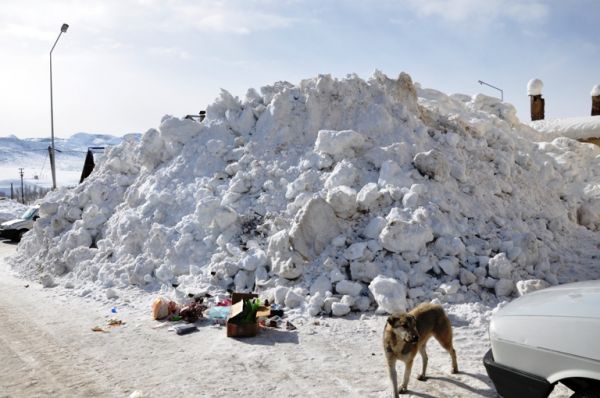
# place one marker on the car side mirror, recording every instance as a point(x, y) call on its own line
point(35, 217)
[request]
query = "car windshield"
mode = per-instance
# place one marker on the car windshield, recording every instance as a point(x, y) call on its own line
point(29, 214)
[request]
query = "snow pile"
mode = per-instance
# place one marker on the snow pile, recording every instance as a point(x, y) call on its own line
point(329, 196)
point(577, 128)
point(595, 90)
point(10, 209)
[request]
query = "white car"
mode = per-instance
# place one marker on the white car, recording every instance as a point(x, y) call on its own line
point(547, 337)
point(14, 229)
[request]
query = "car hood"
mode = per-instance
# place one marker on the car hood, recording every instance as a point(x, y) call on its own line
point(563, 319)
point(12, 223)
point(573, 300)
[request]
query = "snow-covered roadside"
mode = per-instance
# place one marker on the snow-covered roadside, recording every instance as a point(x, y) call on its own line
point(48, 348)
point(577, 128)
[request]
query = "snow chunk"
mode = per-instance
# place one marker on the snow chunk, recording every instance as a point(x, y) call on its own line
point(364, 271)
point(391, 174)
point(284, 262)
point(450, 288)
point(47, 280)
point(355, 251)
point(389, 294)
point(367, 196)
point(339, 143)
point(315, 304)
point(314, 227)
point(321, 285)
point(595, 90)
point(534, 87)
point(253, 259)
point(432, 164)
point(350, 288)
point(449, 266)
point(504, 287)
point(500, 266)
point(293, 299)
point(343, 200)
point(531, 285)
point(405, 236)
point(374, 227)
point(340, 309)
point(344, 173)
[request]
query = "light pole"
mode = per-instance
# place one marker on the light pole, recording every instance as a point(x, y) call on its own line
point(489, 85)
point(63, 29)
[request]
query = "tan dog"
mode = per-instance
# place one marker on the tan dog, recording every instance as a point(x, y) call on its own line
point(407, 333)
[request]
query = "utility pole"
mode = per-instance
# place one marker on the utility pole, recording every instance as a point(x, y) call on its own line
point(22, 191)
point(63, 29)
point(12, 194)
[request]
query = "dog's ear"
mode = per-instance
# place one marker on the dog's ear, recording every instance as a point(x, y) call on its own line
point(392, 321)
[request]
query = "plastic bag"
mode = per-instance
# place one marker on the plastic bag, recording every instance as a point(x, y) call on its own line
point(160, 308)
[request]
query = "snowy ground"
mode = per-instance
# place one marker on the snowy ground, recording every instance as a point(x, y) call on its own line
point(48, 349)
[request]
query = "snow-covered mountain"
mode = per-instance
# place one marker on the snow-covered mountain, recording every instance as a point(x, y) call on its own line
point(31, 154)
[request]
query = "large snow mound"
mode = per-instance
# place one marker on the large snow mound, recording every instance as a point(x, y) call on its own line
point(327, 195)
point(577, 128)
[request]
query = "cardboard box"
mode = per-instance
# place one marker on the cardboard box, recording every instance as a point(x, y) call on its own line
point(234, 329)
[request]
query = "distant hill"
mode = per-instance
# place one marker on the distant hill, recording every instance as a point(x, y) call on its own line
point(31, 154)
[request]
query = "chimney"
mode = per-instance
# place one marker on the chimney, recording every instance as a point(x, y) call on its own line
point(534, 90)
point(596, 100)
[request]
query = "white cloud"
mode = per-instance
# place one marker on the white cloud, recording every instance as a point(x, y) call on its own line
point(224, 17)
point(25, 32)
point(39, 19)
point(169, 52)
point(481, 12)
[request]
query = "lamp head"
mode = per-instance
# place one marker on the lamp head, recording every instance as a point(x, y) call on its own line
point(64, 28)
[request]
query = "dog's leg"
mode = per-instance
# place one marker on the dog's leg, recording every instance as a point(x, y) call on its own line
point(393, 374)
point(424, 359)
point(445, 340)
point(407, 370)
point(454, 362)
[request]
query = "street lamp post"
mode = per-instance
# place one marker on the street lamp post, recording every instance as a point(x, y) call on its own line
point(489, 85)
point(63, 29)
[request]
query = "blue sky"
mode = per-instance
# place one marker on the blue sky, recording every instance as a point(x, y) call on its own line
point(123, 63)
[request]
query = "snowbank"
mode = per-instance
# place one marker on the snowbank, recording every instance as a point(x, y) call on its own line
point(327, 195)
point(576, 128)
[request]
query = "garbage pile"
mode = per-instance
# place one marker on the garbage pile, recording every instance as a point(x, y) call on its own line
point(243, 314)
point(330, 196)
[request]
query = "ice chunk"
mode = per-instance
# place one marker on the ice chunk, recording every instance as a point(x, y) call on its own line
point(389, 294)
